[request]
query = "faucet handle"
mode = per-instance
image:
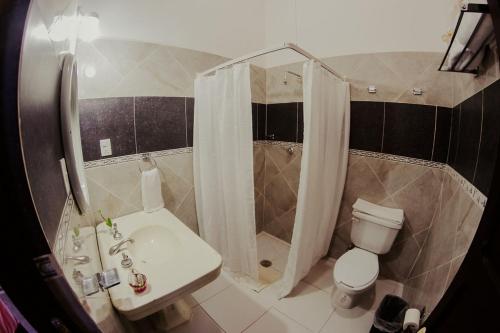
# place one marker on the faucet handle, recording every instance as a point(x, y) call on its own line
point(126, 261)
point(77, 276)
point(116, 234)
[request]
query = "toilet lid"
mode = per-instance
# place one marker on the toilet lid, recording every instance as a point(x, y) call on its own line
point(356, 268)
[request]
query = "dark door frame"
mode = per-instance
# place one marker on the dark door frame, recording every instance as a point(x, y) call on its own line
point(28, 271)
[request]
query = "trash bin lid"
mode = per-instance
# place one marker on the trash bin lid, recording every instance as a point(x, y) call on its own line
point(356, 269)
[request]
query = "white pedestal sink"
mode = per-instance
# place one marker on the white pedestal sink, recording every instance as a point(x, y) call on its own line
point(174, 259)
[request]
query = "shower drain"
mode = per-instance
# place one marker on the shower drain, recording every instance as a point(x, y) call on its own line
point(266, 263)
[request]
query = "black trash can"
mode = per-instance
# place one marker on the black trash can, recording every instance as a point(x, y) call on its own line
point(390, 315)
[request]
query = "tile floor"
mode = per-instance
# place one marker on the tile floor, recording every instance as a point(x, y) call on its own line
point(226, 306)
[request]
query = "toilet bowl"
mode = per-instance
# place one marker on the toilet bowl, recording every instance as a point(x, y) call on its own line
point(354, 273)
point(373, 231)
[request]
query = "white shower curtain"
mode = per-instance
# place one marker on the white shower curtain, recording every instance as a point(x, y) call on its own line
point(223, 167)
point(323, 170)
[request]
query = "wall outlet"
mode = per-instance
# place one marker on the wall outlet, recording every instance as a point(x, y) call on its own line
point(105, 147)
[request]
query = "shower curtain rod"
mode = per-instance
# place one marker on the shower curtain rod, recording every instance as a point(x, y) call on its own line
point(285, 46)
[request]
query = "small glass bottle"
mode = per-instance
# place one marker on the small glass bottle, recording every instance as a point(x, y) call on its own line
point(137, 281)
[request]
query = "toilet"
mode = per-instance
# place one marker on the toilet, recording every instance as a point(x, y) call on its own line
point(374, 229)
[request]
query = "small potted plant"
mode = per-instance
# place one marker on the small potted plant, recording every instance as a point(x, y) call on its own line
point(107, 221)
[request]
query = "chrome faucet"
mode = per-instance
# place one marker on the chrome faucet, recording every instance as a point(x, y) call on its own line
point(78, 259)
point(117, 247)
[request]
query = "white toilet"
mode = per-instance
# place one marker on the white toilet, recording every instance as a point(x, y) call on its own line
point(374, 229)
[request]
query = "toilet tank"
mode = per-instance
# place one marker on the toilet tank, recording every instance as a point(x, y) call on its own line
point(373, 234)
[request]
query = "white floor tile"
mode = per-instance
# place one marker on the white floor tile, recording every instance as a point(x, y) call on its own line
point(349, 321)
point(236, 308)
point(200, 323)
point(307, 305)
point(276, 322)
point(222, 282)
point(321, 275)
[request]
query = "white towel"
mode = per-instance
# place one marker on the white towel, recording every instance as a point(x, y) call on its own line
point(151, 191)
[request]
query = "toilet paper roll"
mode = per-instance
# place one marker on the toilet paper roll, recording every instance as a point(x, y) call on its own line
point(412, 319)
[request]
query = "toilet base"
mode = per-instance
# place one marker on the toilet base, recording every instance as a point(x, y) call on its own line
point(342, 299)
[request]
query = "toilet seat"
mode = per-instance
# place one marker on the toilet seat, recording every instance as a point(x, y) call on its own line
point(356, 269)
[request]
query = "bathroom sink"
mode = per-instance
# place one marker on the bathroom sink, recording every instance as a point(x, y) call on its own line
point(154, 245)
point(175, 260)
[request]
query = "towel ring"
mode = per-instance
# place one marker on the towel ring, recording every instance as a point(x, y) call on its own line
point(146, 158)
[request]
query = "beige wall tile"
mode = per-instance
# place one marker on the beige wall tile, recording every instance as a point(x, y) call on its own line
point(398, 262)
point(187, 211)
point(116, 188)
point(395, 175)
point(259, 212)
point(258, 84)
point(419, 200)
point(174, 189)
point(131, 68)
point(105, 77)
point(393, 73)
point(434, 287)
point(124, 55)
point(467, 229)
point(412, 291)
point(279, 194)
point(160, 74)
point(259, 168)
point(455, 265)
point(180, 164)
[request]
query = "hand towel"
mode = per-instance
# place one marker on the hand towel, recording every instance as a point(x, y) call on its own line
point(152, 199)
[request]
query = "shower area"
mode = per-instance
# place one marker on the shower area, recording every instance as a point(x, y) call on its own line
point(231, 207)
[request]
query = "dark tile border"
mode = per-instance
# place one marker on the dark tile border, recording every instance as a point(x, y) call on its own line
point(135, 124)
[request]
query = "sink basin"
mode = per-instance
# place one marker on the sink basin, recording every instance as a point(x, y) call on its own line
point(175, 260)
point(154, 245)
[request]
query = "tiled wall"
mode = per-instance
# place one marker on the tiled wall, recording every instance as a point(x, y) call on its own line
point(412, 130)
point(115, 188)
point(123, 68)
point(450, 234)
point(473, 152)
point(474, 138)
point(135, 124)
point(393, 73)
point(277, 182)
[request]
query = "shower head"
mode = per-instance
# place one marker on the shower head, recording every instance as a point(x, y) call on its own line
point(285, 80)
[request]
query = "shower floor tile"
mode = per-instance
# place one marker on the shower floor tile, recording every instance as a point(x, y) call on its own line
point(273, 249)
